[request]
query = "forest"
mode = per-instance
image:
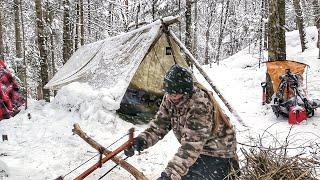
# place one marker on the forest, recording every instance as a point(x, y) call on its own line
point(38, 36)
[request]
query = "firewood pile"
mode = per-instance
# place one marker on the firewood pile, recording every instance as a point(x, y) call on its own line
point(275, 164)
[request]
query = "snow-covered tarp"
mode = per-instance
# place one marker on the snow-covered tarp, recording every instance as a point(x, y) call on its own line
point(108, 63)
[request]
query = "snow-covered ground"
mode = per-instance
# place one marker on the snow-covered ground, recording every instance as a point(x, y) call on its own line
point(41, 144)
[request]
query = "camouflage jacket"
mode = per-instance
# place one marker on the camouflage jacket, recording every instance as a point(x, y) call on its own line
point(191, 120)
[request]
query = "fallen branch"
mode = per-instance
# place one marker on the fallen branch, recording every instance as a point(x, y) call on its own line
point(125, 165)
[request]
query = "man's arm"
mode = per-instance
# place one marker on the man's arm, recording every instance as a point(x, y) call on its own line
point(195, 134)
point(158, 127)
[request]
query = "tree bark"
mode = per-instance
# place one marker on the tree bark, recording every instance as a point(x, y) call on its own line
point(81, 24)
point(25, 75)
point(128, 167)
point(188, 35)
point(276, 31)
point(300, 25)
point(89, 18)
point(276, 38)
point(223, 21)
point(180, 28)
point(42, 50)
point(137, 15)
point(17, 28)
point(67, 39)
point(210, 10)
point(265, 15)
point(1, 31)
point(195, 32)
point(76, 37)
point(316, 11)
point(153, 9)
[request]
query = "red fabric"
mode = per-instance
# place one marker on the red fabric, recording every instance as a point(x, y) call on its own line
point(10, 98)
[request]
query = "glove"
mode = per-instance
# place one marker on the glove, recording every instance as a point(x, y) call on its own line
point(164, 176)
point(138, 144)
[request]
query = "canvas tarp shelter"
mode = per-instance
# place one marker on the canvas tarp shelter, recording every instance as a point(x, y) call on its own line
point(135, 59)
point(138, 58)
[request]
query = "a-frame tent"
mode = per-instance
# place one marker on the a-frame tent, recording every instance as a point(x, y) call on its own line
point(137, 59)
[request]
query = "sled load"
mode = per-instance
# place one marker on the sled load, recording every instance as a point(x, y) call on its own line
point(289, 98)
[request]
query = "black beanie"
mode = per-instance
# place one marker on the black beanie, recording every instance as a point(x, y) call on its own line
point(178, 80)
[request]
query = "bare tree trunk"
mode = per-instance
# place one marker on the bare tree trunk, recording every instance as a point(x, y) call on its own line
point(180, 28)
point(210, 9)
point(316, 8)
point(276, 38)
point(126, 15)
point(222, 26)
point(153, 9)
point(18, 42)
point(188, 36)
point(42, 50)
point(76, 37)
point(110, 8)
point(89, 18)
point(17, 28)
point(51, 47)
point(81, 24)
point(276, 31)
point(195, 32)
point(300, 25)
point(206, 51)
point(282, 32)
point(1, 31)
point(67, 39)
point(265, 15)
point(25, 75)
point(137, 15)
point(261, 33)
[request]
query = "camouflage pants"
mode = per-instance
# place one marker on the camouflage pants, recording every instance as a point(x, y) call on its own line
point(211, 168)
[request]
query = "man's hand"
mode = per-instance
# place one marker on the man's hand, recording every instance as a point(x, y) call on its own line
point(164, 176)
point(138, 144)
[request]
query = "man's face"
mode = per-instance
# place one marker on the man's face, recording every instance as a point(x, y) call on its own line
point(174, 97)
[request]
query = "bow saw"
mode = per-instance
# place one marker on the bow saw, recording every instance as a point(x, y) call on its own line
point(109, 155)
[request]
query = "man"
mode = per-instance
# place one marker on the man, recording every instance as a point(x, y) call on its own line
point(208, 144)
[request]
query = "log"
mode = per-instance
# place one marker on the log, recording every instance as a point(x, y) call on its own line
point(125, 165)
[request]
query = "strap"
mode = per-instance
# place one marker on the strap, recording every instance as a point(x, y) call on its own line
point(218, 113)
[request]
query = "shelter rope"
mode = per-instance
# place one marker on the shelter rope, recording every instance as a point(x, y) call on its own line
point(94, 156)
point(166, 31)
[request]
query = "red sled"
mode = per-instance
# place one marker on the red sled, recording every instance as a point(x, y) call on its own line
point(297, 114)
